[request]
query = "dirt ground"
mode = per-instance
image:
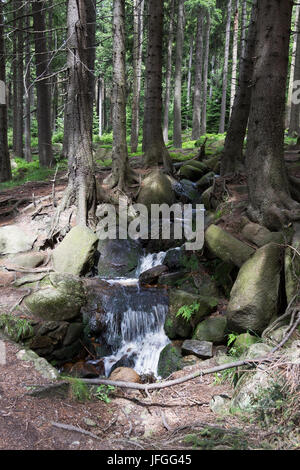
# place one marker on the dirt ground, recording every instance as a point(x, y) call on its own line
point(132, 420)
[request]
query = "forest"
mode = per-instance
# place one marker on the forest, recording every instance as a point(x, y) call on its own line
point(149, 226)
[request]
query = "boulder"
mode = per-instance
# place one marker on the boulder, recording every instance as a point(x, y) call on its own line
point(260, 235)
point(292, 266)
point(118, 258)
point(220, 404)
point(206, 181)
point(14, 240)
point(151, 275)
point(202, 349)
point(170, 360)
point(244, 341)
point(206, 199)
point(211, 329)
point(254, 296)
point(156, 188)
point(30, 260)
point(174, 258)
point(60, 298)
point(177, 326)
point(193, 172)
point(125, 374)
point(39, 363)
point(187, 192)
point(75, 254)
point(226, 247)
point(276, 336)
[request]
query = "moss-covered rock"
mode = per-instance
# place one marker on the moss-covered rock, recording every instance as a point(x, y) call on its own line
point(156, 188)
point(170, 360)
point(292, 267)
point(176, 326)
point(211, 329)
point(75, 254)
point(206, 181)
point(226, 247)
point(14, 240)
point(193, 171)
point(260, 235)
point(60, 298)
point(254, 296)
point(244, 341)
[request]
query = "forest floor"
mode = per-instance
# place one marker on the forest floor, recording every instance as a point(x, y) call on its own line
point(174, 418)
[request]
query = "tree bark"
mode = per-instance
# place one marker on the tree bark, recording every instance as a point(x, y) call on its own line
point(234, 54)
point(225, 70)
point(138, 24)
point(81, 189)
point(27, 126)
point(120, 165)
point(205, 75)
point(153, 142)
point(177, 124)
point(294, 125)
point(196, 129)
point(5, 169)
point(270, 200)
point(43, 86)
point(168, 73)
point(296, 30)
point(233, 147)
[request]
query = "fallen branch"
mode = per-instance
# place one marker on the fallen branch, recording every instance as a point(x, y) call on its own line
point(171, 383)
point(69, 427)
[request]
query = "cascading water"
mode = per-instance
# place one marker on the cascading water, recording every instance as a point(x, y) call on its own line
point(135, 321)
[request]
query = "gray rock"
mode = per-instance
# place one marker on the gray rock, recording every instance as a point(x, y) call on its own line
point(30, 260)
point(39, 363)
point(156, 188)
point(202, 349)
point(74, 255)
point(170, 360)
point(254, 296)
point(226, 247)
point(211, 329)
point(14, 240)
point(118, 258)
point(220, 404)
point(151, 275)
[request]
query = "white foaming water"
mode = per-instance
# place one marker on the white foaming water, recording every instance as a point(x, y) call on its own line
point(150, 261)
point(135, 329)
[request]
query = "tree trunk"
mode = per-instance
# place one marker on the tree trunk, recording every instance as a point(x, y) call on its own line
point(198, 78)
point(90, 6)
point(244, 30)
point(43, 86)
point(81, 188)
point(270, 200)
point(177, 124)
point(189, 78)
point(233, 148)
point(234, 54)
point(296, 30)
point(120, 165)
point(5, 169)
point(153, 142)
point(205, 75)
point(225, 70)
point(294, 126)
point(27, 126)
point(168, 73)
point(138, 24)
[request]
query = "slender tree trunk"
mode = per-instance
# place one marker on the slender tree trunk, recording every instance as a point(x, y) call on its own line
point(270, 200)
point(294, 127)
point(43, 86)
point(205, 75)
point(234, 54)
point(213, 61)
point(153, 142)
point(5, 169)
point(233, 148)
point(189, 77)
point(120, 165)
point(15, 78)
point(198, 78)
point(225, 70)
point(90, 6)
point(100, 103)
point(138, 24)
point(168, 73)
point(177, 124)
point(292, 68)
point(81, 188)
point(244, 30)
point(27, 127)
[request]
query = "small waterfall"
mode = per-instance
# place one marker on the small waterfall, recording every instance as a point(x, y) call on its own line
point(150, 261)
point(135, 328)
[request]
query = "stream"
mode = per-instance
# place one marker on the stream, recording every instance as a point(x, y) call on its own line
point(134, 321)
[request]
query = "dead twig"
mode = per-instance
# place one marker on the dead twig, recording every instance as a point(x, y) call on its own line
point(69, 427)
